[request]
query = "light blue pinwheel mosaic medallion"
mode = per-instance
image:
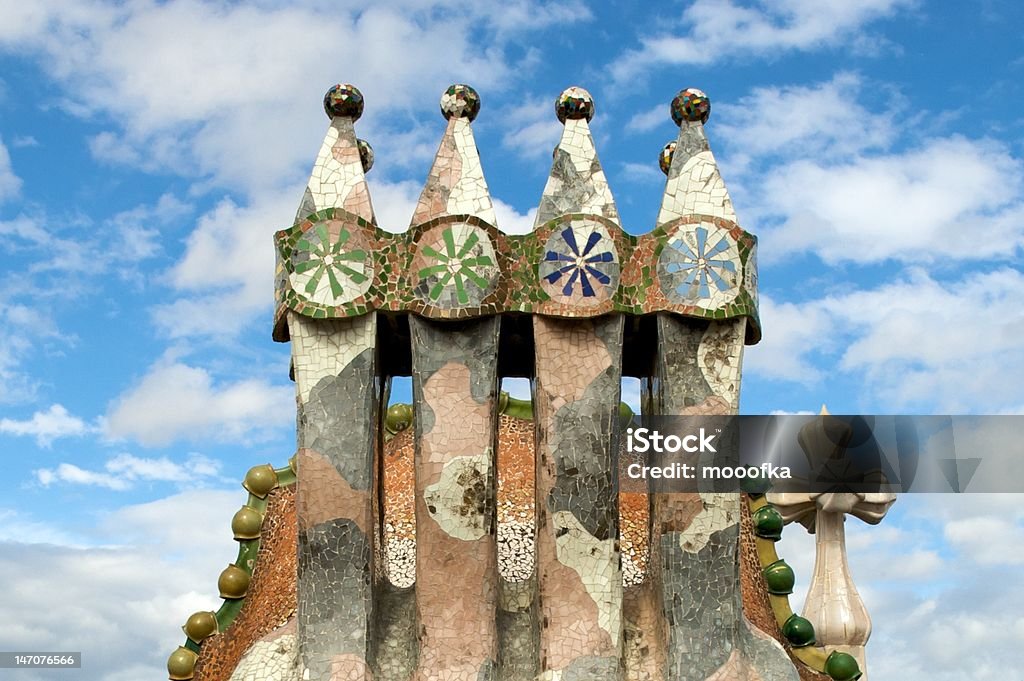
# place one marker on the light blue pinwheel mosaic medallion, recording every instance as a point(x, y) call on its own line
point(700, 265)
point(329, 266)
point(580, 263)
point(455, 266)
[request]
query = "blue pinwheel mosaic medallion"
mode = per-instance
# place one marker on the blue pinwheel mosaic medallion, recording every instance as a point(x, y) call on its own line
point(329, 266)
point(580, 263)
point(700, 265)
point(455, 266)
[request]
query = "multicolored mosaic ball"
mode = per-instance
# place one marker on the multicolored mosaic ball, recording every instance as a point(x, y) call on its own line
point(574, 103)
point(344, 100)
point(691, 104)
point(665, 157)
point(461, 101)
point(365, 154)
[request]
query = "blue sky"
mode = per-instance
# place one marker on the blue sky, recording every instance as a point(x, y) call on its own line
point(149, 150)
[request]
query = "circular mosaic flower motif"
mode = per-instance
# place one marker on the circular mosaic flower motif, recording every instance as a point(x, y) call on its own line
point(574, 102)
point(327, 268)
point(700, 265)
point(691, 104)
point(580, 263)
point(455, 266)
point(460, 101)
point(344, 99)
point(665, 157)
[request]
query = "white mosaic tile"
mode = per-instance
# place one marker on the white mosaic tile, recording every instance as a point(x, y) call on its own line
point(596, 561)
point(323, 347)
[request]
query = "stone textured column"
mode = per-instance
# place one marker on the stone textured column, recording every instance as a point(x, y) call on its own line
point(455, 387)
point(579, 574)
point(337, 389)
point(576, 396)
point(695, 536)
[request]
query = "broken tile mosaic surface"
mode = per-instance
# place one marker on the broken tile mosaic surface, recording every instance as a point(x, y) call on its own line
point(579, 569)
point(455, 398)
point(541, 571)
point(337, 391)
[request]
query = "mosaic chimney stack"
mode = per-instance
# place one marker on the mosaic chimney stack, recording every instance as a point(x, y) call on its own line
point(574, 305)
point(708, 261)
point(455, 391)
point(578, 340)
point(334, 363)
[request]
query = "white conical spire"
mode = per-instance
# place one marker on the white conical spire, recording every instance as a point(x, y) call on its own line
point(456, 184)
point(338, 179)
point(694, 183)
point(577, 183)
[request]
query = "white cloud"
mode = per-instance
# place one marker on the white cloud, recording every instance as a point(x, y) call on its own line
point(394, 202)
point(59, 247)
point(27, 330)
point(250, 120)
point(991, 540)
point(645, 121)
point(915, 343)
point(511, 221)
point(228, 265)
point(824, 120)
point(794, 332)
point(10, 184)
point(642, 172)
point(866, 185)
point(715, 29)
point(950, 198)
point(175, 400)
point(47, 426)
point(229, 257)
point(123, 470)
point(533, 130)
point(22, 141)
point(154, 565)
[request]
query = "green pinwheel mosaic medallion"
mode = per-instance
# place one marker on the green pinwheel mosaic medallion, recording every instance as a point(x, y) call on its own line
point(328, 266)
point(455, 266)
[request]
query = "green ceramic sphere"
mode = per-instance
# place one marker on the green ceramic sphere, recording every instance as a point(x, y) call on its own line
point(260, 480)
point(399, 417)
point(246, 523)
point(768, 523)
point(181, 665)
point(842, 667)
point(798, 631)
point(200, 625)
point(233, 582)
point(625, 414)
point(779, 577)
